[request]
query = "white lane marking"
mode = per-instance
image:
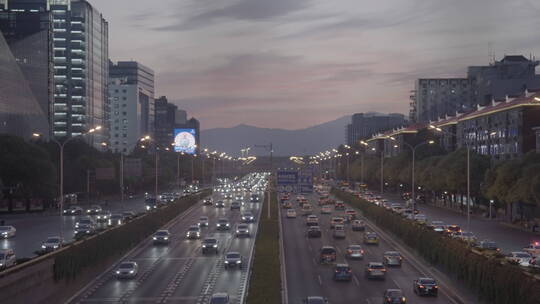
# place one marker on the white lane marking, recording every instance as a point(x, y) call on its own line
point(395, 282)
point(356, 281)
point(320, 279)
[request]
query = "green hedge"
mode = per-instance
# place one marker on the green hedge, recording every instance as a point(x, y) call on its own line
point(265, 282)
point(69, 262)
point(495, 282)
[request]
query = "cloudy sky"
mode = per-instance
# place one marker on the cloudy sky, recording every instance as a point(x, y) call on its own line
point(296, 63)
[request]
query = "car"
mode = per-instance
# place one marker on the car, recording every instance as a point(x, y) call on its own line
point(355, 252)
point(420, 218)
point(392, 258)
point(223, 224)
point(94, 209)
point(203, 221)
point(242, 230)
point(235, 205)
point(238, 198)
point(440, 229)
point(339, 205)
point(468, 237)
point(315, 300)
point(84, 229)
point(342, 272)
point(489, 246)
point(161, 237)
point(126, 270)
point(128, 215)
point(210, 245)
point(375, 270)
point(287, 205)
point(425, 287)
point(193, 232)
point(52, 243)
point(233, 259)
point(227, 196)
point(307, 209)
point(73, 210)
point(312, 220)
point(358, 225)
point(7, 232)
point(336, 220)
point(452, 229)
point(247, 217)
point(255, 198)
point(314, 232)
point(371, 238)
point(519, 257)
point(220, 298)
point(103, 216)
point(326, 210)
point(339, 232)
point(533, 249)
point(116, 220)
point(434, 224)
point(85, 221)
point(7, 258)
point(327, 254)
point(220, 204)
point(291, 213)
point(208, 202)
point(150, 203)
point(351, 214)
point(394, 296)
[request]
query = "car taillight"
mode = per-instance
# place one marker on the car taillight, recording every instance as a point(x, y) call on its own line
point(421, 286)
point(383, 270)
point(349, 251)
point(435, 286)
point(362, 251)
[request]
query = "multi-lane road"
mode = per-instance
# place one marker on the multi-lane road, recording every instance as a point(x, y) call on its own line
point(179, 272)
point(305, 276)
point(34, 229)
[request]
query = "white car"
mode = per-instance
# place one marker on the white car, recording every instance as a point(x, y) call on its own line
point(203, 221)
point(233, 259)
point(242, 230)
point(420, 218)
point(291, 213)
point(520, 257)
point(127, 270)
point(194, 232)
point(533, 249)
point(7, 258)
point(52, 243)
point(7, 232)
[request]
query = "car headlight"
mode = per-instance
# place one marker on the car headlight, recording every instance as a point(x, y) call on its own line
point(118, 272)
point(147, 207)
point(4, 233)
point(166, 238)
point(238, 262)
point(131, 271)
point(88, 210)
point(226, 262)
point(215, 246)
point(237, 231)
point(187, 234)
point(155, 238)
point(227, 225)
point(87, 231)
point(55, 246)
point(43, 246)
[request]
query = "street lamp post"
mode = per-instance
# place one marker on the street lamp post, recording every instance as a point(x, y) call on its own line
point(413, 149)
point(61, 148)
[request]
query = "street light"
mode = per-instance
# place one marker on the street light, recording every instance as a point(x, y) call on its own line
point(413, 149)
point(468, 174)
point(61, 148)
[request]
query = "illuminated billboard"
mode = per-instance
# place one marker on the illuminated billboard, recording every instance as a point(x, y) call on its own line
point(185, 141)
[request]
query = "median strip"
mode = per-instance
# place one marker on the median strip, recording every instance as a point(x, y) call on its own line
point(265, 281)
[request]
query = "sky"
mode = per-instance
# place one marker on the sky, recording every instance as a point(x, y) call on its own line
point(297, 63)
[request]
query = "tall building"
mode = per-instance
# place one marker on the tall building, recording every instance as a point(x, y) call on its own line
point(133, 72)
point(436, 98)
point(79, 53)
point(364, 125)
point(440, 97)
point(126, 115)
point(26, 72)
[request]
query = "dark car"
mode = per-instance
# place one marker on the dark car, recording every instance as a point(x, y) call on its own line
point(327, 254)
point(235, 205)
point(223, 224)
point(489, 245)
point(315, 300)
point(220, 204)
point(208, 202)
point(394, 296)
point(425, 287)
point(342, 272)
point(210, 245)
point(314, 232)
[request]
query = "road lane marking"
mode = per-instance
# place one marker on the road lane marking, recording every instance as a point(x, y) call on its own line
point(356, 280)
point(320, 279)
point(395, 282)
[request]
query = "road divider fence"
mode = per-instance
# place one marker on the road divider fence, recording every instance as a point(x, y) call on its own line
point(492, 278)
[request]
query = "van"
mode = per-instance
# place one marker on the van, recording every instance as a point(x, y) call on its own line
point(7, 258)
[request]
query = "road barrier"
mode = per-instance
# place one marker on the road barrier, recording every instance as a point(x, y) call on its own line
point(494, 280)
point(265, 283)
point(54, 277)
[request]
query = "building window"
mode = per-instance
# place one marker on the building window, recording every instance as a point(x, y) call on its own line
point(124, 135)
point(125, 121)
point(124, 98)
point(116, 91)
point(124, 113)
point(124, 91)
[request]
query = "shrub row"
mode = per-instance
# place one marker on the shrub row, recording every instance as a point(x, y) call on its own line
point(93, 251)
point(265, 282)
point(494, 281)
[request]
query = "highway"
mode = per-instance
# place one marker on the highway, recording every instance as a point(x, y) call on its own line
point(179, 272)
point(305, 276)
point(34, 229)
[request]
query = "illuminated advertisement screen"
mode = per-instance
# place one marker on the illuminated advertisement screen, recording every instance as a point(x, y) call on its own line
point(184, 141)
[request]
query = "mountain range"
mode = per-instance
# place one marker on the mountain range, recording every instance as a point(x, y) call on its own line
point(306, 141)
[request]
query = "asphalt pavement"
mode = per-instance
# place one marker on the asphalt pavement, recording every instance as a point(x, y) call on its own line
point(307, 277)
point(179, 272)
point(508, 238)
point(34, 228)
